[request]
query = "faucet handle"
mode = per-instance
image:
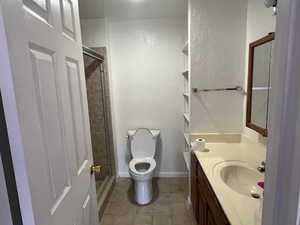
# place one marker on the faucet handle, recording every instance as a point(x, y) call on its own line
point(262, 168)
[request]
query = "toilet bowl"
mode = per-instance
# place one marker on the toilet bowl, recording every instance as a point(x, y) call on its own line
point(142, 165)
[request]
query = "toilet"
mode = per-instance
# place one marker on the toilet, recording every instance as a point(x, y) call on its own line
point(142, 144)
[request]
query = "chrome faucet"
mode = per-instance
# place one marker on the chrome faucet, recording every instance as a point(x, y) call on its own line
point(262, 167)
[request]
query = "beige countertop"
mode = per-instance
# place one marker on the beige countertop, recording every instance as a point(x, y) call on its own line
point(240, 209)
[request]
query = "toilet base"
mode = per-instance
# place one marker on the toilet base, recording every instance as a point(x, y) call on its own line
point(143, 191)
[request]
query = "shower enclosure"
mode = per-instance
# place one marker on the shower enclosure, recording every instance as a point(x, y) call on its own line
point(98, 95)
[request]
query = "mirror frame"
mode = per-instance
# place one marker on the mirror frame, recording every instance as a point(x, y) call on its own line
point(263, 131)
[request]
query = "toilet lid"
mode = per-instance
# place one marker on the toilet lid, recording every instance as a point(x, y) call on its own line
point(143, 144)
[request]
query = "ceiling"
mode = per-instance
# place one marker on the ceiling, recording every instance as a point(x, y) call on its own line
point(132, 9)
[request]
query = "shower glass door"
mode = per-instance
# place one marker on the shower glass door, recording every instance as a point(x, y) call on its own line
point(100, 123)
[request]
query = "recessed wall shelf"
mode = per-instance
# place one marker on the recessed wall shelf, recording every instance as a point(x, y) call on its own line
point(186, 95)
point(187, 109)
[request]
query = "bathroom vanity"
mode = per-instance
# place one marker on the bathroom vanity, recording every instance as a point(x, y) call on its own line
point(224, 179)
point(206, 207)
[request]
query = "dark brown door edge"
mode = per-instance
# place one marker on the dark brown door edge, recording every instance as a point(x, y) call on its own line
point(9, 170)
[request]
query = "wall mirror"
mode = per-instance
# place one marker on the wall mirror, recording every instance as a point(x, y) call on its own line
point(259, 69)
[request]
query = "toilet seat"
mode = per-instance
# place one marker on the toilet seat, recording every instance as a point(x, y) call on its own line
point(135, 161)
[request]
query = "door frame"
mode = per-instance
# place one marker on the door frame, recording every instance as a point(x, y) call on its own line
point(9, 193)
point(281, 204)
point(10, 19)
point(13, 131)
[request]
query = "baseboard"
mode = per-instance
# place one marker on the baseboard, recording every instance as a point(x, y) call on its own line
point(124, 174)
point(172, 174)
point(160, 174)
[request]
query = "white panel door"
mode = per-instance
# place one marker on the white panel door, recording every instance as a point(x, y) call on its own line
point(46, 109)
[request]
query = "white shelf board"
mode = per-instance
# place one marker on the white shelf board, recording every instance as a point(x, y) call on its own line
point(187, 138)
point(187, 159)
point(185, 73)
point(186, 94)
point(185, 49)
point(186, 116)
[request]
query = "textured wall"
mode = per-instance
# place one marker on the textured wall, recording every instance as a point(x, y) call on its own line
point(218, 34)
point(146, 68)
point(146, 64)
point(93, 32)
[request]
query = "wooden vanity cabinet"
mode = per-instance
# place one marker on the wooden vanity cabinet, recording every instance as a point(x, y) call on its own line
point(206, 207)
point(194, 188)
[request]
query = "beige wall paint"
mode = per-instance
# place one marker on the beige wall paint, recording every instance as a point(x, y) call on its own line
point(218, 34)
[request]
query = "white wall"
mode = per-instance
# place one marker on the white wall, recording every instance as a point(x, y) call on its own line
point(218, 34)
point(132, 9)
point(260, 22)
point(93, 32)
point(146, 63)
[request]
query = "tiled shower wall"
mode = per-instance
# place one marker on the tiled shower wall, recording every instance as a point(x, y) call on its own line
point(100, 116)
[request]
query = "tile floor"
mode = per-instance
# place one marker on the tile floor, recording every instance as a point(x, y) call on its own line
point(168, 207)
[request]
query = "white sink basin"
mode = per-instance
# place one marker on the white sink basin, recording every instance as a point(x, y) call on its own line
point(240, 177)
